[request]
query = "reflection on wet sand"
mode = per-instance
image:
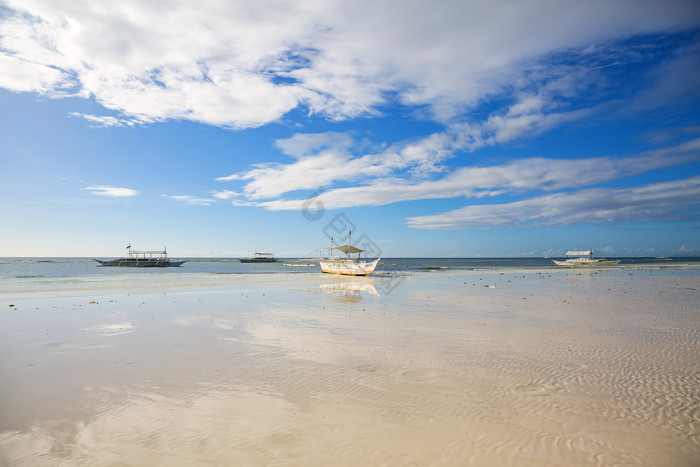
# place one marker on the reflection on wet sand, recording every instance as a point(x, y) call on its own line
point(539, 370)
point(350, 291)
point(344, 289)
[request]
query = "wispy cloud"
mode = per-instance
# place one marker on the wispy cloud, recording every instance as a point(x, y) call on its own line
point(106, 121)
point(379, 181)
point(235, 64)
point(105, 190)
point(670, 84)
point(322, 159)
point(668, 201)
point(191, 200)
point(384, 184)
point(226, 194)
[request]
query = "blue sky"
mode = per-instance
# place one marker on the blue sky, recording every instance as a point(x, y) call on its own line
point(511, 128)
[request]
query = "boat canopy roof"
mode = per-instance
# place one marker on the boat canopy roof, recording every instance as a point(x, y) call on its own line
point(348, 249)
point(579, 253)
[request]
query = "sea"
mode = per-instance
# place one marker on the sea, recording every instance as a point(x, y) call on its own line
point(16, 268)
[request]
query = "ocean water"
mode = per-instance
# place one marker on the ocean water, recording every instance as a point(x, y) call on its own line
point(13, 269)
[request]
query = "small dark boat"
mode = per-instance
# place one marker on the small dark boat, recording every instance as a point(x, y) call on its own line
point(143, 259)
point(259, 258)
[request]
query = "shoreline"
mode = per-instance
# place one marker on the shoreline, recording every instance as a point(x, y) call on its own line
point(171, 282)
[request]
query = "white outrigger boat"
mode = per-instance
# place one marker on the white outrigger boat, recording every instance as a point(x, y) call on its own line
point(584, 259)
point(347, 266)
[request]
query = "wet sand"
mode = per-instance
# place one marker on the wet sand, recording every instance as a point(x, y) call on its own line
point(521, 368)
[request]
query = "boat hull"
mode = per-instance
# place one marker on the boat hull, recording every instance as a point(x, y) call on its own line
point(257, 260)
point(585, 263)
point(141, 263)
point(348, 267)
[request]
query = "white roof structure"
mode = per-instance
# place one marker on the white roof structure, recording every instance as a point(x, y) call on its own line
point(579, 253)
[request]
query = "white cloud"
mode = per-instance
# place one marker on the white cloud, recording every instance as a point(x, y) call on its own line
point(105, 190)
point(207, 62)
point(225, 194)
point(379, 187)
point(106, 121)
point(668, 200)
point(322, 159)
point(23, 76)
point(673, 81)
point(684, 250)
point(512, 126)
point(228, 178)
point(244, 64)
point(527, 177)
point(191, 200)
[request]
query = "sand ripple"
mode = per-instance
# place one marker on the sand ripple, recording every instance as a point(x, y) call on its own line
point(576, 370)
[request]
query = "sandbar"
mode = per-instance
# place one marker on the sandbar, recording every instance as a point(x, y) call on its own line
point(457, 368)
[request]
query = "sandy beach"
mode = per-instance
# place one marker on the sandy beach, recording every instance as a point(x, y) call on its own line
point(470, 368)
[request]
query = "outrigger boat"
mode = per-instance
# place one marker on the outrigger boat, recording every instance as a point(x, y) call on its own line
point(347, 266)
point(584, 259)
point(259, 258)
point(143, 259)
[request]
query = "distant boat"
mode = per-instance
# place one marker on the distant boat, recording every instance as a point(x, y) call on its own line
point(143, 259)
point(259, 258)
point(584, 259)
point(300, 264)
point(347, 266)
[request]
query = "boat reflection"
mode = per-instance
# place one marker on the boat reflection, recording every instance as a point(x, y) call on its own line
point(349, 291)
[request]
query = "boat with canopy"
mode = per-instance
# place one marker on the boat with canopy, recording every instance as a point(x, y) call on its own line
point(347, 266)
point(143, 259)
point(259, 257)
point(584, 258)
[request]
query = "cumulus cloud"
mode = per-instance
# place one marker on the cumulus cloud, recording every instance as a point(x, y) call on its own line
point(244, 64)
point(105, 190)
